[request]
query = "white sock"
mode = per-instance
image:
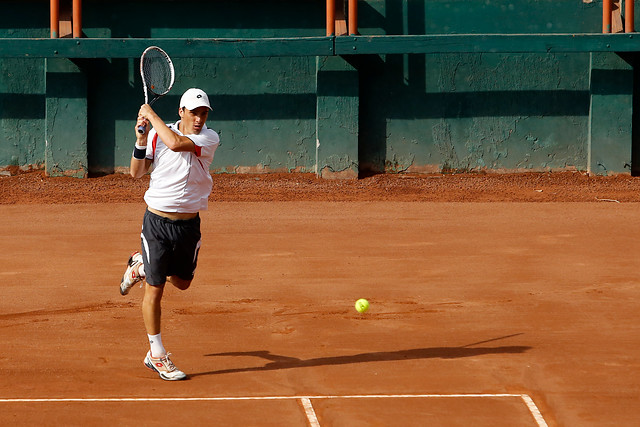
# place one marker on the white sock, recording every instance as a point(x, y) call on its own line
point(141, 271)
point(157, 349)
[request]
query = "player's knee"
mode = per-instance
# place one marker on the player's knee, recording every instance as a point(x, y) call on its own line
point(153, 293)
point(180, 283)
point(184, 285)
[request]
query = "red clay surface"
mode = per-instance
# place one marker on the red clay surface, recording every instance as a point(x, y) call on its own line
point(492, 284)
point(34, 187)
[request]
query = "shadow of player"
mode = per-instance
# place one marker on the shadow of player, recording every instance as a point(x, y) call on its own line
point(276, 361)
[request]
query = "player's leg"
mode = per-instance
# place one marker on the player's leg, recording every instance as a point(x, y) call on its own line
point(153, 256)
point(157, 358)
point(181, 260)
point(156, 251)
point(152, 308)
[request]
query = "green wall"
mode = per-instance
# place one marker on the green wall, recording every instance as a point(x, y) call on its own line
point(22, 100)
point(348, 115)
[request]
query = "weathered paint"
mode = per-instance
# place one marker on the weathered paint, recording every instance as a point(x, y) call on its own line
point(610, 115)
point(337, 118)
point(66, 119)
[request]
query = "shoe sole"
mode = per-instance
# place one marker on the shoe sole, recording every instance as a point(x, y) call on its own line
point(125, 291)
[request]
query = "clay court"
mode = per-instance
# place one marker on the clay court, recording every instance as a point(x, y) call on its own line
point(496, 300)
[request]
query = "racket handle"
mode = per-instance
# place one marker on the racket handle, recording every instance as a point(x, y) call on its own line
point(142, 128)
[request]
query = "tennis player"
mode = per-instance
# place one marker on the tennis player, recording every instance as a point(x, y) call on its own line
point(179, 188)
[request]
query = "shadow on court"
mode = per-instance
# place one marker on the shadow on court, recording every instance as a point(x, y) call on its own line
point(277, 361)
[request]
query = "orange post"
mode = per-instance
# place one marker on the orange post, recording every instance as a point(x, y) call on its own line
point(54, 7)
point(606, 15)
point(77, 18)
point(331, 17)
point(353, 17)
point(628, 16)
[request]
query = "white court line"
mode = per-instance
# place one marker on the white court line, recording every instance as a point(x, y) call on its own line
point(534, 410)
point(196, 399)
point(306, 400)
point(311, 414)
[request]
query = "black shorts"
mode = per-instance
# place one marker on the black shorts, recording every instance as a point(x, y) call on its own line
point(169, 247)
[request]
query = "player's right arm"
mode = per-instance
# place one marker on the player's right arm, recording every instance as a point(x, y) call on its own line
point(172, 140)
point(139, 167)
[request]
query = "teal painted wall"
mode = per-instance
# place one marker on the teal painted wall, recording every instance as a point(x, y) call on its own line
point(418, 112)
point(478, 16)
point(22, 112)
point(474, 111)
point(263, 109)
point(22, 89)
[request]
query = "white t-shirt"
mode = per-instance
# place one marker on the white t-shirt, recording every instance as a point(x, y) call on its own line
point(181, 181)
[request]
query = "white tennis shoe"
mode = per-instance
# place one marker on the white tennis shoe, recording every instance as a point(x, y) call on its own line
point(131, 275)
point(164, 367)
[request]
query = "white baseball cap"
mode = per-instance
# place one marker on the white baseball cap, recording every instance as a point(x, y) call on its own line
point(194, 98)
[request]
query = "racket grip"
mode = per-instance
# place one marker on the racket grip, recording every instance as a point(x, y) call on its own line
point(141, 129)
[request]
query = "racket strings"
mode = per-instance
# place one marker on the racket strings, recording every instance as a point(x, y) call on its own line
point(157, 72)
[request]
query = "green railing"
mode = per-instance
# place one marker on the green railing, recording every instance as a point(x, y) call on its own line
point(319, 46)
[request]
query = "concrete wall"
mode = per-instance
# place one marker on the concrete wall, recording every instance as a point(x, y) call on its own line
point(340, 116)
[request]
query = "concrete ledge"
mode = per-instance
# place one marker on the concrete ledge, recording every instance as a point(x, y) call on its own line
point(176, 48)
point(491, 43)
point(319, 46)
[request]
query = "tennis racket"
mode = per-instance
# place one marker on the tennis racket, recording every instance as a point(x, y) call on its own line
point(157, 74)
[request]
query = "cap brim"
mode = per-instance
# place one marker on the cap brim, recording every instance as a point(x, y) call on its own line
point(189, 107)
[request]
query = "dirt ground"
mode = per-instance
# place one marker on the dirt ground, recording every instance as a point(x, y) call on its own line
point(483, 288)
point(35, 187)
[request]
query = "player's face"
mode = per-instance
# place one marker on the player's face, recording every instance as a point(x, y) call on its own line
point(193, 120)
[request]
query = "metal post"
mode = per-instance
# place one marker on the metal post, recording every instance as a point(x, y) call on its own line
point(77, 18)
point(353, 17)
point(331, 17)
point(606, 15)
point(54, 6)
point(628, 16)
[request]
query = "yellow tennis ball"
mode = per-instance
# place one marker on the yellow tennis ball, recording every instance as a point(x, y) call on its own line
point(362, 305)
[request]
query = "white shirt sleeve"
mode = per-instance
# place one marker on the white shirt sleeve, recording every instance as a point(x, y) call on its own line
point(208, 140)
point(150, 148)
